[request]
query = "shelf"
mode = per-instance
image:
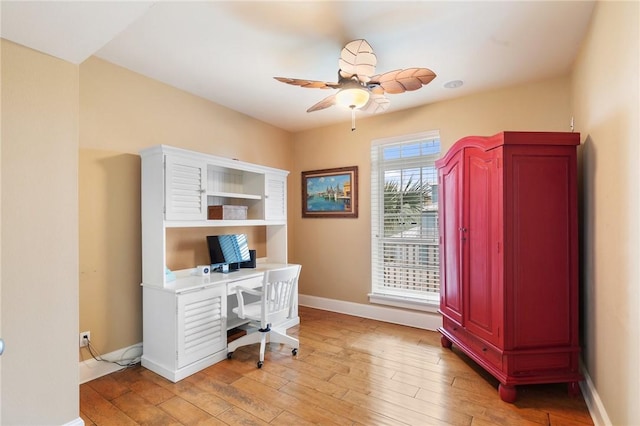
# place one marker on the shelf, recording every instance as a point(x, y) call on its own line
point(221, 223)
point(234, 195)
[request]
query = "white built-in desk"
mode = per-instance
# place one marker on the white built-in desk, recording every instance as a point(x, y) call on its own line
point(185, 321)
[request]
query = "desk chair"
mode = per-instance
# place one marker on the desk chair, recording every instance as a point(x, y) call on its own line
point(268, 314)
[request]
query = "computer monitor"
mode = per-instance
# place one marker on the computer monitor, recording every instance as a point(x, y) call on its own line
point(228, 251)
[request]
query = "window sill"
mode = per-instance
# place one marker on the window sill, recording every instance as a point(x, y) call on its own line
point(405, 302)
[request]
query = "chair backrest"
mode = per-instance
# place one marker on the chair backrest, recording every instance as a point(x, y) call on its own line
point(278, 293)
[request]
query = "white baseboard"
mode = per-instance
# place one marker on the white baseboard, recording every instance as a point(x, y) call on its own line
point(175, 375)
point(417, 319)
point(75, 422)
point(594, 403)
point(91, 369)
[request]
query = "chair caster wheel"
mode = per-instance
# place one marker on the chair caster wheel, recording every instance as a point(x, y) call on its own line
point(260, 364)
point(229, 355)
point(294, 351)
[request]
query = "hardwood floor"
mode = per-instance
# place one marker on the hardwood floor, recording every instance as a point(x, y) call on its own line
point(349, 371)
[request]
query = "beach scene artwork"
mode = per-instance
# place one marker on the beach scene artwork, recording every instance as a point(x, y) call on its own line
point(329, 192)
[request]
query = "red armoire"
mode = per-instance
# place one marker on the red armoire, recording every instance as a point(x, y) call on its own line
point(509, 256)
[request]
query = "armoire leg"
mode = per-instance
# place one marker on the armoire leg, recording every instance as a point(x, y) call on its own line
point(446, 343)
point(507, 393)
point(574, 388)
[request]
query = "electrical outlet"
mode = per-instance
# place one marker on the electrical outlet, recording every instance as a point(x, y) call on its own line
point(85, 337)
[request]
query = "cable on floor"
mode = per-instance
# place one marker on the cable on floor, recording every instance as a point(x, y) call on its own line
point(123, 362)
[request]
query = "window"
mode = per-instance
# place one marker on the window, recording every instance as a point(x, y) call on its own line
point(404, 221)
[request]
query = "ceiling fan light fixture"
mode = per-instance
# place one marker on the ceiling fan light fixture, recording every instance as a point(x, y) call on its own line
point(352, 97)
point(357, 87)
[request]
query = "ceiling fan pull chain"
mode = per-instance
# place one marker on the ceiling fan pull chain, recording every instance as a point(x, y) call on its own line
point(353, 118)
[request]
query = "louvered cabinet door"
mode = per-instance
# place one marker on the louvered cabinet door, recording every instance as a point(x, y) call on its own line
point(202, 328)
point(275, 198)
point(186, 192)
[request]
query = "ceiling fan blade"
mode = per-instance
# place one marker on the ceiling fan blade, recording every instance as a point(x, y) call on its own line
point(325, 103)
point(376, 104)
point(400, 81)
point(310, 84)
point(357, 59)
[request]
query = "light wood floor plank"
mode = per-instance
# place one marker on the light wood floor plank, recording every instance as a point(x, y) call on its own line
point(300, 408)
point(256, 407)
point(237, 416)
point(185, 411)
point(341, 407)
point(101, 411)
point(395, 411)
point(142, 411)
point(365, 385)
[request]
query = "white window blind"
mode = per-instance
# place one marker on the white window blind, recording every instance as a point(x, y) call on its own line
point(404, 218)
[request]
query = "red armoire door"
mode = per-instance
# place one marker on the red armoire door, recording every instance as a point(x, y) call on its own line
point(481, 236)
point(450, 206)
point(541, 247)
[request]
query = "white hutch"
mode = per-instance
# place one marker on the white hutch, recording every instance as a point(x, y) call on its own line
point(185, 317)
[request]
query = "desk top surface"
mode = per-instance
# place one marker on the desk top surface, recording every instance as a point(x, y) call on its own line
point(186, 281)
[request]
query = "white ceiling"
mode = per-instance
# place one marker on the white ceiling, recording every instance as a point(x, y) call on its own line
point(229, 51)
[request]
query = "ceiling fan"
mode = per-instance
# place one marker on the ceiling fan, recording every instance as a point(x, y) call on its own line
point(358, 87)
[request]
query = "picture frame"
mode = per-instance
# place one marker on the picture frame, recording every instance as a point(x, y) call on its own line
point(330, 193)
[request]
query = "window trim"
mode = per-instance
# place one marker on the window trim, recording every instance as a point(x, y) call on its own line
point(427, 303)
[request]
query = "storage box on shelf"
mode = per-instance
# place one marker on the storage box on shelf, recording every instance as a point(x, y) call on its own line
point(227, 213)
point(179, 190)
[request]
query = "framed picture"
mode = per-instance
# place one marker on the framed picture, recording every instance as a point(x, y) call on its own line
point(330, 193)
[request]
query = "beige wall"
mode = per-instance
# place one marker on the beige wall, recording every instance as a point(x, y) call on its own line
point(39, 238)
point(122, 112)
point(110, 248)
point(336, 252)
point(605, 100)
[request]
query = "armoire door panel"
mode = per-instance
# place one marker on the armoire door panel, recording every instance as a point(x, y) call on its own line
point(450, 178)
point(540, 256)
point(479, 244)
